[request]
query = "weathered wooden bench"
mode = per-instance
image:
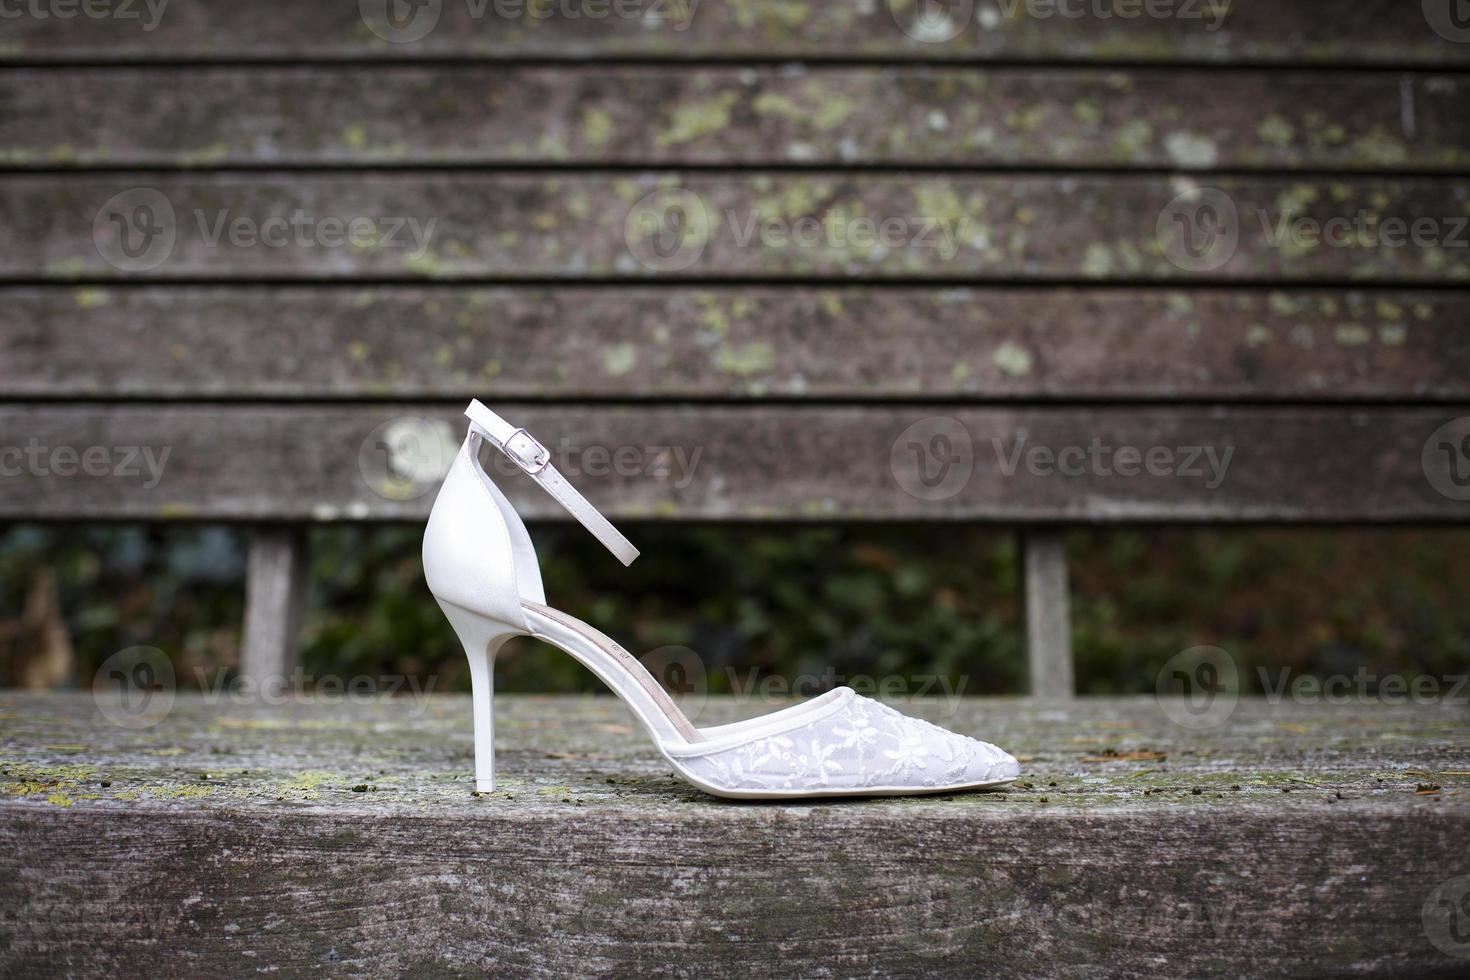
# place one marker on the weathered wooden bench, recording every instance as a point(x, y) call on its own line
point(1296, 840)
point(1076, 181)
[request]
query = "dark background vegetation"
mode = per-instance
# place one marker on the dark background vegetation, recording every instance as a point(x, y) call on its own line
point(757, 601)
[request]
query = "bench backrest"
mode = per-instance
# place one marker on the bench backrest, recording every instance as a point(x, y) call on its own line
point(1045, 271)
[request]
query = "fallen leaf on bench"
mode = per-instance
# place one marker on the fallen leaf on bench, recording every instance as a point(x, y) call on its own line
point(229, 721)
point(1299, 729)
point(1140, 755)
point(1426, 789)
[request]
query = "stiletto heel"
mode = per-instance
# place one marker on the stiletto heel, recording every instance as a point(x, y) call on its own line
point(482, 639)
point(482, 568)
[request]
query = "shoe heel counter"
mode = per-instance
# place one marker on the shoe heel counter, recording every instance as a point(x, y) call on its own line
point(467, 552)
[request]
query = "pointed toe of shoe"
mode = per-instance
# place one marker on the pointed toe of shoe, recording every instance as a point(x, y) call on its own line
point(1005, 768)
point(989, 764)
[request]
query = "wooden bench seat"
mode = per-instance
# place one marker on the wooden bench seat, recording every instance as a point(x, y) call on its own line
point(1298, 839)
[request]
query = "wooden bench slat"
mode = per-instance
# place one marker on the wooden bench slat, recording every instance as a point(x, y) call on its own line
point(656, 116)
point(305, 342)
point(338, 829)
point(747, 225)
point(689, 462)
point(1251, 31)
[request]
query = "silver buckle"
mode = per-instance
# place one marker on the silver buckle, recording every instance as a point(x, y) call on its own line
point(528, 453)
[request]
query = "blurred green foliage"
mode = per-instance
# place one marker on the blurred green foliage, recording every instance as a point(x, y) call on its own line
point(838, 602)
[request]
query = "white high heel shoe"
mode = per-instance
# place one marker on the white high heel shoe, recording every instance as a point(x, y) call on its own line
point(483, 571)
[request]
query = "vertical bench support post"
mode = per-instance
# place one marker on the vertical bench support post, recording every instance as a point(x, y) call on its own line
point(275, 585)
point(1048, 613)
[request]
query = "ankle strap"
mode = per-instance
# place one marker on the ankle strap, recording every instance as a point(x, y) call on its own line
point(535, 459)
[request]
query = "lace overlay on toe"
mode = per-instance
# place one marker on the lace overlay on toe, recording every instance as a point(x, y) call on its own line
point(863, 745)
